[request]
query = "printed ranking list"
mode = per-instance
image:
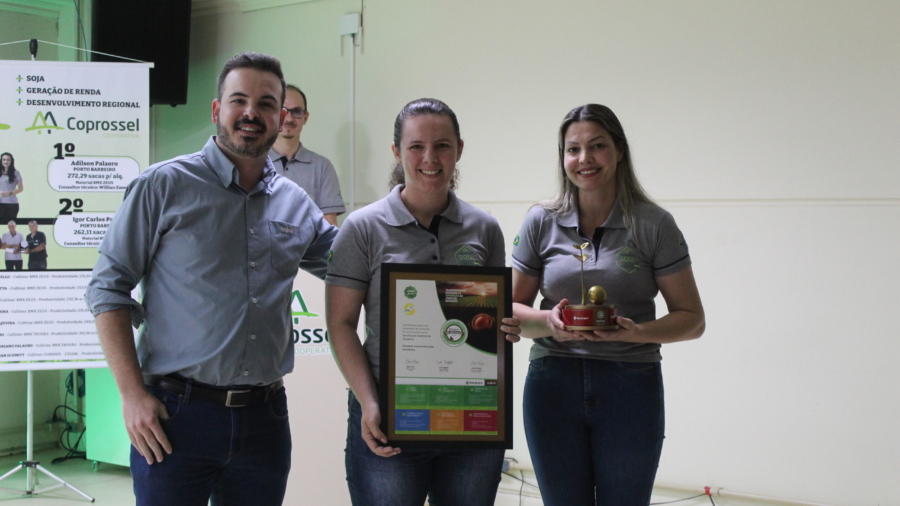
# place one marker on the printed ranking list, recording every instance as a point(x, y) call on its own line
point(44, 320)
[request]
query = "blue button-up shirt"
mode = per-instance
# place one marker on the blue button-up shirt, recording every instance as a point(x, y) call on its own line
point(216, 265)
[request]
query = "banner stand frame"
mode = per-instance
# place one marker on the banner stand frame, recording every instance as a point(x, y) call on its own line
point(30, 465)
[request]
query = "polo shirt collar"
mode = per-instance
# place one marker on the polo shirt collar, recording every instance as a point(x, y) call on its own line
point(568, 220)
point(303, 155)
point(616, 218)
point(398, 215)
point(226, 171)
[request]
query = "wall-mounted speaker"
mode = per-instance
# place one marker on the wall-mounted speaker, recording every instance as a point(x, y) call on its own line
point(157, 31)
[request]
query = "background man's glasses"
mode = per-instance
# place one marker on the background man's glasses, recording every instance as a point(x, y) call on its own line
point(297, 112)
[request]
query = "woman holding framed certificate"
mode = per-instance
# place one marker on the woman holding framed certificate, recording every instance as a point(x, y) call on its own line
point(421, 221)
point(593, 400)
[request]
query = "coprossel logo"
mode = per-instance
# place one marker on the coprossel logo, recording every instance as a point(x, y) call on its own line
point(44, 121)
point(309, 333)
point(298, 307)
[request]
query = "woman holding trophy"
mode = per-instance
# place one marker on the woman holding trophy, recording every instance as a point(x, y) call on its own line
point(593, 401)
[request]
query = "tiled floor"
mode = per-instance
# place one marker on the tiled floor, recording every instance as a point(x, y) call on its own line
point(108, 485)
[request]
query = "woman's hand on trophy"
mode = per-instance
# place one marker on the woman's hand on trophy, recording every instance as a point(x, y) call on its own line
point(628, 332)
point(558, 328)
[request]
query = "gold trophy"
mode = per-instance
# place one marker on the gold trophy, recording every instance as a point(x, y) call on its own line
point(593, 316)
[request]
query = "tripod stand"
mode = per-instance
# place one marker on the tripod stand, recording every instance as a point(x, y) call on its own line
point(30, 465)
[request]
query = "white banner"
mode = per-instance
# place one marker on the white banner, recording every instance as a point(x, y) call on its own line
point(78, 133)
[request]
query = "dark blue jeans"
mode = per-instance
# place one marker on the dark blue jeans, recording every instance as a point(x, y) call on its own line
point(595, 430)
point(231, 456)
point(446, 477)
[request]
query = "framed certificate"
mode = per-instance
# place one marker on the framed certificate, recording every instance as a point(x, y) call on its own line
point(446, 368)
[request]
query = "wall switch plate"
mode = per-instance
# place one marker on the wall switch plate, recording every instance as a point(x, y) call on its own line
point(350, 24)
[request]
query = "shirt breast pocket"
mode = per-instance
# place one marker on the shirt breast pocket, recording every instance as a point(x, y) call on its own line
point(289, 243)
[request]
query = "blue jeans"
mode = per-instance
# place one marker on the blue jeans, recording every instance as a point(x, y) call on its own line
point(446, 477)
point(595, 429)
point(231, 456)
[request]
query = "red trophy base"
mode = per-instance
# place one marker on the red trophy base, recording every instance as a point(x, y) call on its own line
point(590, 317)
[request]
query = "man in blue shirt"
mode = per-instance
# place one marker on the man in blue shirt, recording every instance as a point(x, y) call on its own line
point(215, 239)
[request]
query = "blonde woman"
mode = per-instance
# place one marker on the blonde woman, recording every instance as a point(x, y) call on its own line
point(593, 401)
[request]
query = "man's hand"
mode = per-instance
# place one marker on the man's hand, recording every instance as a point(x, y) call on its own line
point(142, 414)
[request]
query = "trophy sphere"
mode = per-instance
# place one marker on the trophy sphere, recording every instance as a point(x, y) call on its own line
point(597, 294)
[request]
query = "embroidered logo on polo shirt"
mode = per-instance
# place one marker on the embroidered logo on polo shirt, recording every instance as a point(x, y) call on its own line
point(467, 255)
point(516, 241)
point(285, 230)
point(626, 259)
point(330, 254)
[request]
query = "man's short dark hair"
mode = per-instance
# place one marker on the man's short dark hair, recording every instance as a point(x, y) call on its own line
point(298, 90)
point(257, 61)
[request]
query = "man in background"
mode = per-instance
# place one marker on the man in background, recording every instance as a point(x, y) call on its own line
point(215, 239)
point(37, 248)
point(312, 172)
point(11, 242)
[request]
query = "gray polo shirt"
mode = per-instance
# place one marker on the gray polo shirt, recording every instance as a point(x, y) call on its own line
point(627, 271)
point(216, 264)
point(315, 174)
point(12, 241)
point(385, 231)
point(7, 186)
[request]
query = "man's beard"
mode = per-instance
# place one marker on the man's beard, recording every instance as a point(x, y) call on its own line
point(287, 126)
point(248, 151)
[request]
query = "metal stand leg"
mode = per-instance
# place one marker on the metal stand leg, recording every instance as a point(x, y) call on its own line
point(31, 466)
